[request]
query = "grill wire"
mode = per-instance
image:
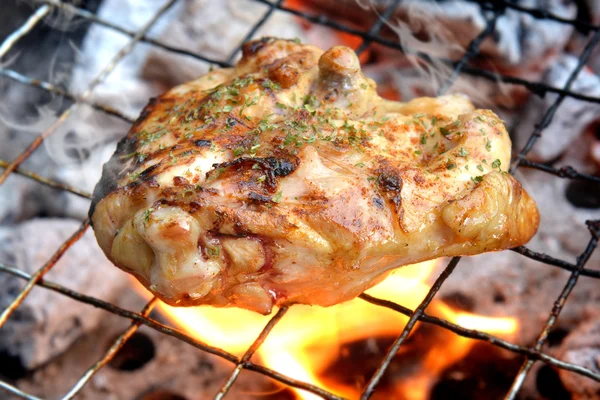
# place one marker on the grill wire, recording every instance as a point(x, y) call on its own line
point(492, 10)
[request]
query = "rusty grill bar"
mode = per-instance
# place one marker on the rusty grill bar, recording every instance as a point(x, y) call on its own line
point(492, 10)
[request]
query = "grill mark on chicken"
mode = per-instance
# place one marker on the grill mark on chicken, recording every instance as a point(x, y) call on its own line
point(390, 183)
point(110, 171)
point(282, 166)
point(259, 198)
point(202, 143)
point(294, 149)
point(249, 49)
point(272, 167)
point(245, 165)
point(147, 173)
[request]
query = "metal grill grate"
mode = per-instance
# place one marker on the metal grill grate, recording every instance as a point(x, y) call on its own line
point(492, 10)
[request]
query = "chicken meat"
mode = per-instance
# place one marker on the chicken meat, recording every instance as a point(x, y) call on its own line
point(287, 179)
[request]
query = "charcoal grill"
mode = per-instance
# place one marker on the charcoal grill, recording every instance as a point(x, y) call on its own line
point(492, 10)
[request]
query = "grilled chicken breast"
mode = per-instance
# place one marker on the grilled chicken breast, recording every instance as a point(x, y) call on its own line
point(287, 179)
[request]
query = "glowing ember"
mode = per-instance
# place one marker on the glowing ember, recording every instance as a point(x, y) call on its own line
point(308, 339)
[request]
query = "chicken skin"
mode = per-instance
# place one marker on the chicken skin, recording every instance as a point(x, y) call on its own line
point(287, 179)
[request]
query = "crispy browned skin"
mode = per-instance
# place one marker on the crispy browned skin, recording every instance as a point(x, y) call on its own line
point(289, 180)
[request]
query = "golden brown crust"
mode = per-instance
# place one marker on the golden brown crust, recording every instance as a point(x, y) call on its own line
point(289, 180)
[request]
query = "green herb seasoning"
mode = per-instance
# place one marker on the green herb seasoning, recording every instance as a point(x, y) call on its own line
point(213, 251)
point(147, 214)
point(269, 84)
point(277, 197)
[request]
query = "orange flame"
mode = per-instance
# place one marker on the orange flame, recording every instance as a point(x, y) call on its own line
point(309, 338)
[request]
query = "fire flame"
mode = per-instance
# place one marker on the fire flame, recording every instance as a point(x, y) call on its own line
point(308, 339)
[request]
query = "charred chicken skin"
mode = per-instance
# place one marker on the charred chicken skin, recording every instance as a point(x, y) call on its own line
point(287, 179)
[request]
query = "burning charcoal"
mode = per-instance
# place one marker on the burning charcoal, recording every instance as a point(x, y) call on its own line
point(85, 140)
point(547, 383)
point(21, 198)
point(411, 367)
point(432, 361)
point(520, 40)
point(582, 347)
point(590, 11)
point(47, 323)
point(562, 234)
point(399, 80)
point(588, 159)
point(521, 46)
point(485, 373)
point(123, 89)
point(572, 119)
point(157, 367)
point(584, 195)
point(213, 29)
point(47, 54)
point(572, 136)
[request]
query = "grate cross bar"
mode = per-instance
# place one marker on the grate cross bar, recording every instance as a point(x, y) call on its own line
point(21, 32)
point(549, 115)
point(99, 78)
point(414, 317)
point(378, 25)
point(460, 66)
point(250, 352)
point(111, 352)
point(594, 227)
point(39, 274)
point(50, 88)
